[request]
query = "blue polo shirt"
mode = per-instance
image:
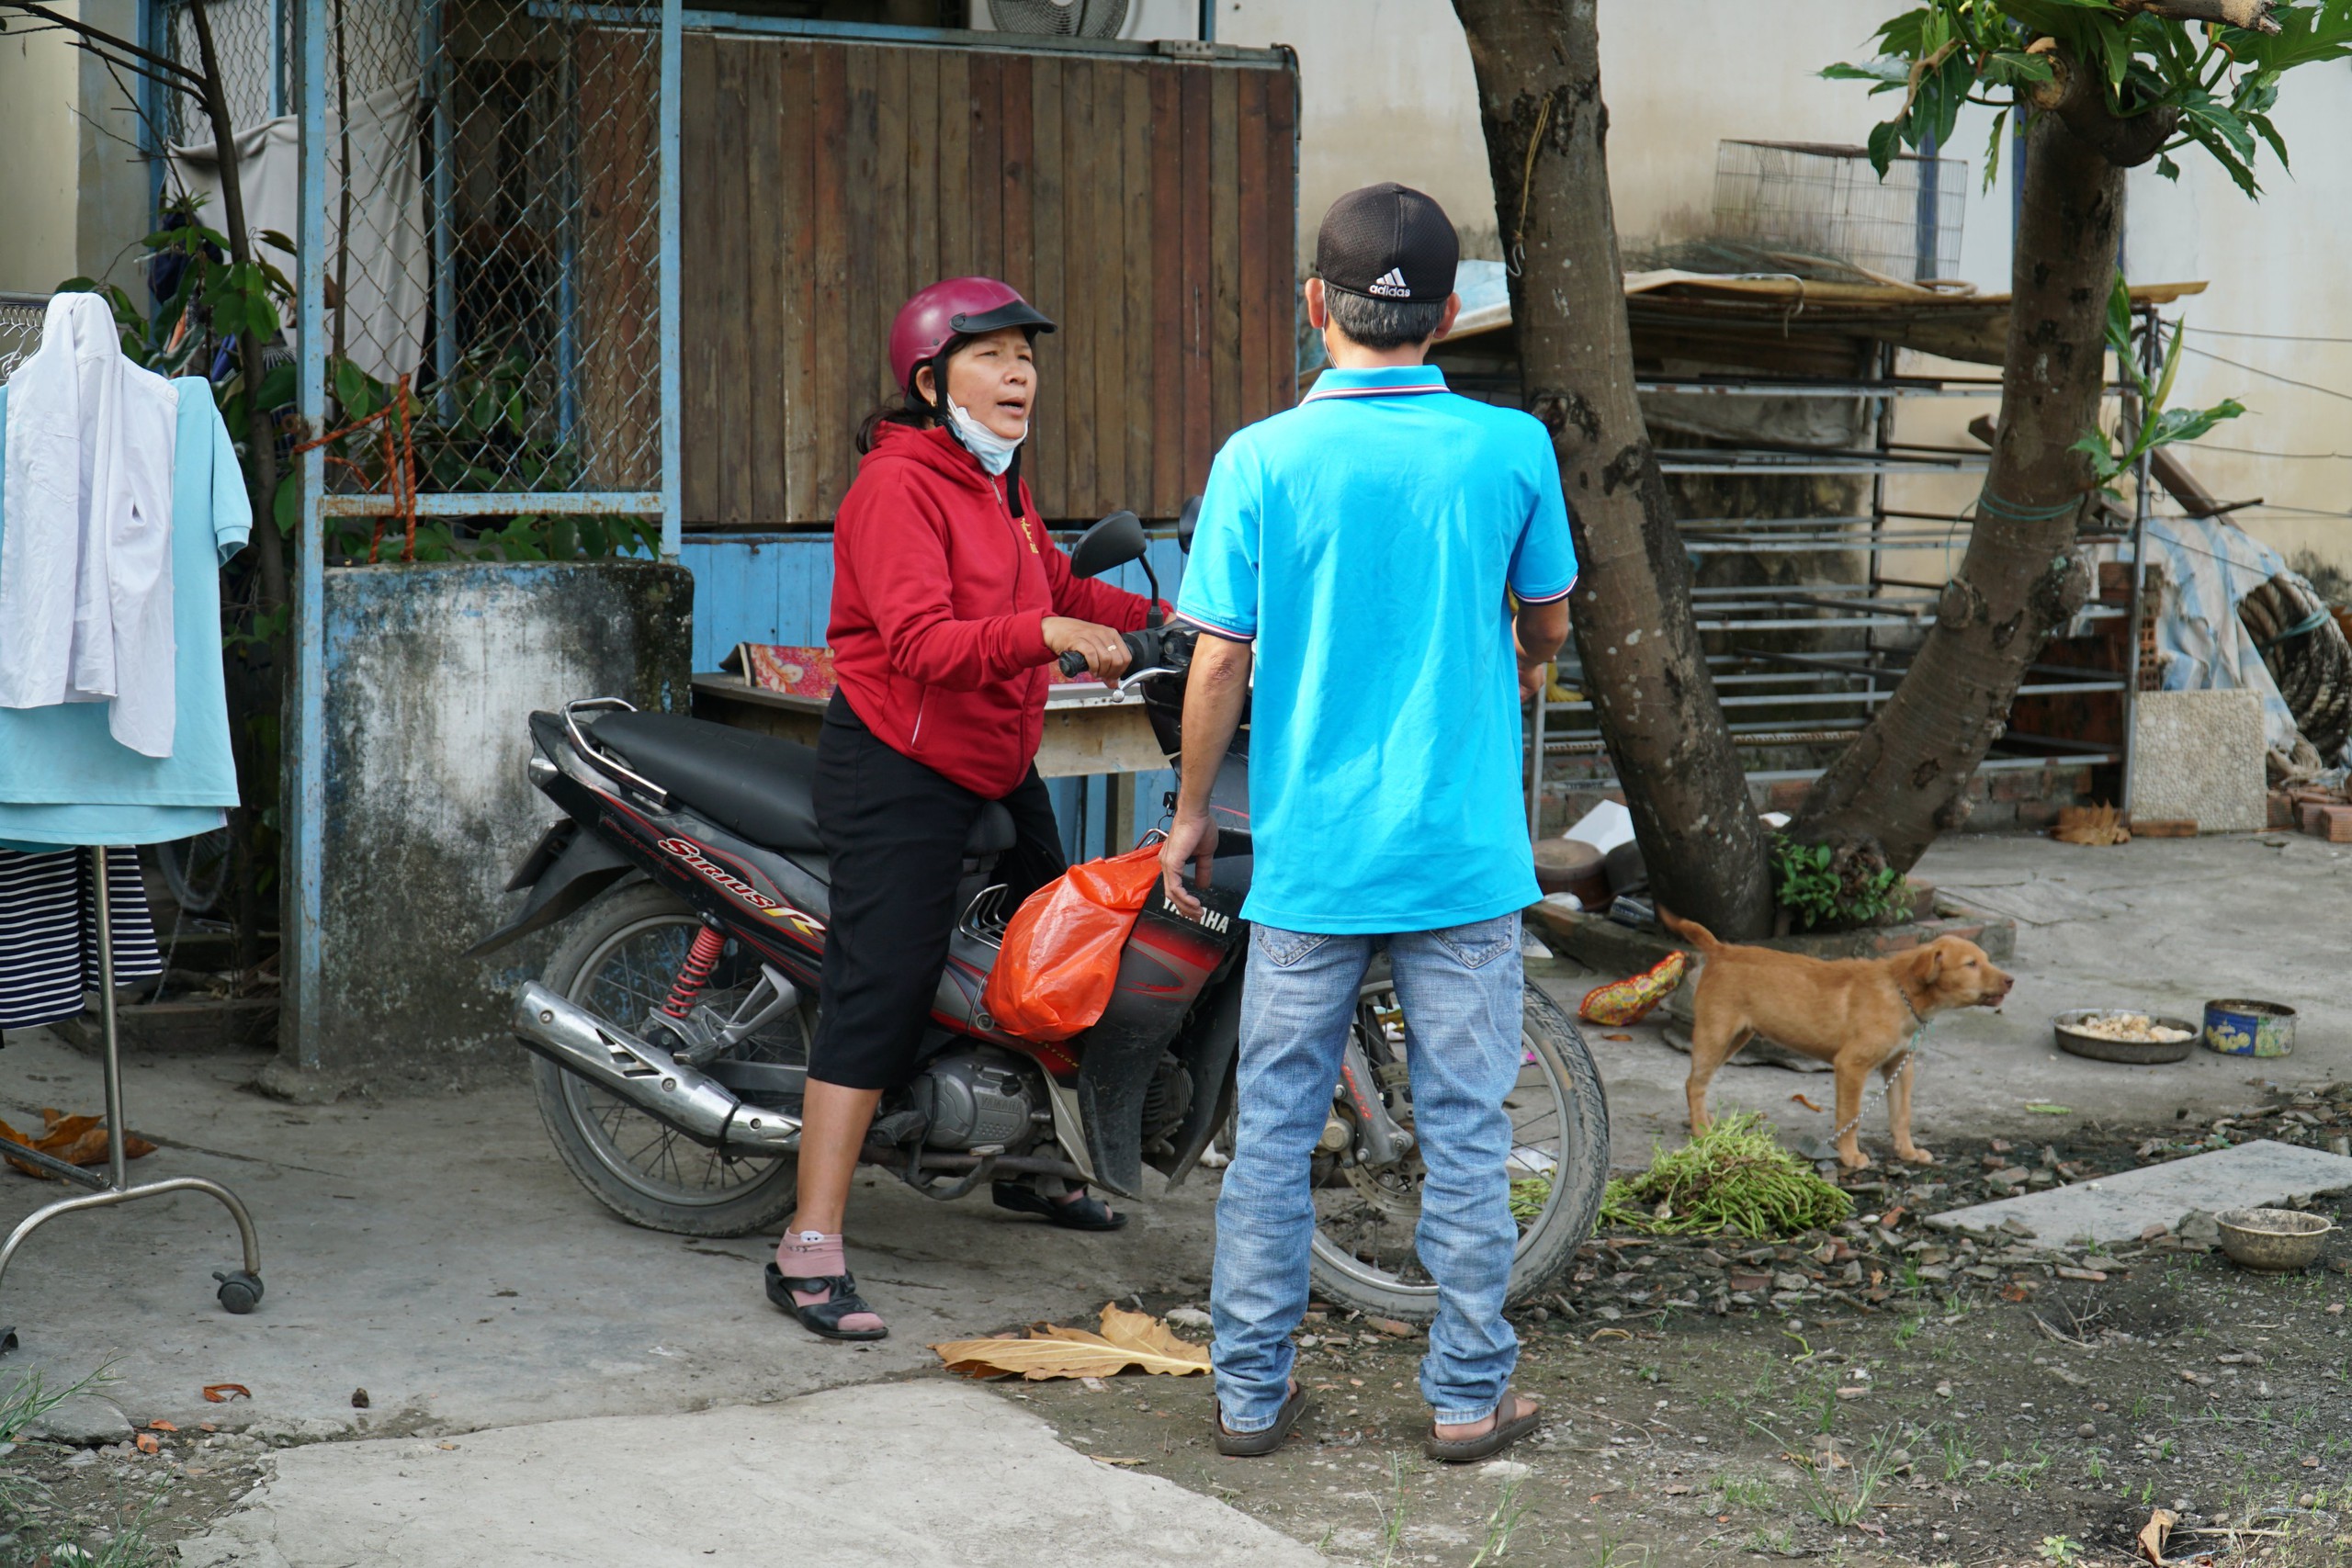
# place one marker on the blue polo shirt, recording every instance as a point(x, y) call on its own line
point(1363, 541)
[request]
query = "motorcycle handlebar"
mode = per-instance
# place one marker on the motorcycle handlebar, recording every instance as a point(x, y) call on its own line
point(1144, 648)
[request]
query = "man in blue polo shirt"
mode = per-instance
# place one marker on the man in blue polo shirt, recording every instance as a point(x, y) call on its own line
point(1352, 561)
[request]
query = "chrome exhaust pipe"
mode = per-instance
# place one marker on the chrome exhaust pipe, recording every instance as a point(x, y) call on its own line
point(646, 1077)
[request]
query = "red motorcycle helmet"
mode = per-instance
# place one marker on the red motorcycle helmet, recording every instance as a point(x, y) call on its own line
point(951, 308)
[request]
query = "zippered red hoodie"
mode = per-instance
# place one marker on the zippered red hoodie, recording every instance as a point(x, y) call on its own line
point(939, 597)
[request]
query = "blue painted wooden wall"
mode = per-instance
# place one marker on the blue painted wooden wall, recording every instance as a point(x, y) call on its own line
point(779, 588)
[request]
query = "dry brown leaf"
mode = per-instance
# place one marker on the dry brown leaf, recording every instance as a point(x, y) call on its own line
point(2153, 1533)
point(161, 1426)
point(1106, 1459)
point(2091, 825)
point(222, 1393)
point(1128, 1340)
point(1809, 1105)
point(1141, 1332)
point(149, 1443)
point(76, 1140)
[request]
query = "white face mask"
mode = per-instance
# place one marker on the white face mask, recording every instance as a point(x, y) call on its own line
point(994, 451)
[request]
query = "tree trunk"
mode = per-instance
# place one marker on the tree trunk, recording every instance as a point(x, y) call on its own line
point(1539, 100)
point(264, 694)
point(1904, 779)
point(261, 432)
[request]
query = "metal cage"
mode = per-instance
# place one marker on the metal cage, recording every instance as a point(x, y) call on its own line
point(1828, 200)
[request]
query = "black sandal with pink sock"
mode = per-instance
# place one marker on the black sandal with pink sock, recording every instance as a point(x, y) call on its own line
point(820, 1291)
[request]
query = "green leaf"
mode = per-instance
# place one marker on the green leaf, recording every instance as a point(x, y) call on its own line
point(1993, 148)
point(278, 386)
point(2204, 109)
point(2187, 425)
point(1886, 140)
point(351, 388)
point(2163, 394)
point(2234, 167)
point(2115, 49)
point(2166, 167)
point(1886, 73)
point(2119, 317)
point(286, 506)
point(2269, 133)
point(2016, 68)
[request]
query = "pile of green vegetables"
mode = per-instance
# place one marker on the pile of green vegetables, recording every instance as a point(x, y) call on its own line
point(1733, 1177)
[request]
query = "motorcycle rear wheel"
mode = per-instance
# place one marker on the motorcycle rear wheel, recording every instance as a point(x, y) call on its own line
point(1363, 1254)
point(618, 962)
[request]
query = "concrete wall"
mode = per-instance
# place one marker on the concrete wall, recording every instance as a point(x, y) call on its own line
point(71, 185)
point(432, 671)
point(40, 160)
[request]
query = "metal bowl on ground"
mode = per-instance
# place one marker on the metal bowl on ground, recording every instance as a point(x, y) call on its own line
point(2272, 1241)
point(2073, 1041)
point(2240, 1026)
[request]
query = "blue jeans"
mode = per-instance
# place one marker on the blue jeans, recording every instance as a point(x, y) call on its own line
point(1460, 990)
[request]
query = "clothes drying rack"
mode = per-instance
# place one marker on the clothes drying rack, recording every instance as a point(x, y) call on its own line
point(239, 1288)
point(21, 321)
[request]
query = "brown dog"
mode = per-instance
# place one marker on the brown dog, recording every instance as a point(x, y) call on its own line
point(1858, 1014)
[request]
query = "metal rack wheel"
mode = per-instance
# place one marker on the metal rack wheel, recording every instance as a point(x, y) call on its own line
point(240, 1291)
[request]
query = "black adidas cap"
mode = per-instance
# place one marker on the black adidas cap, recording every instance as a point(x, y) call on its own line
point(1387, 242)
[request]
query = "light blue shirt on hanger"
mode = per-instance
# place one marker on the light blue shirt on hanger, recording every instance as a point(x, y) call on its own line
point(63, 780)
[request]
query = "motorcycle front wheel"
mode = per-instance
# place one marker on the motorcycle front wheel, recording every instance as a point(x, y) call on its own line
point(1364, 1215)
point(618, 962)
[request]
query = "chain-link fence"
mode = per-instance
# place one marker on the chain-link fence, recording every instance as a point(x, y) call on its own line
point(492, 227)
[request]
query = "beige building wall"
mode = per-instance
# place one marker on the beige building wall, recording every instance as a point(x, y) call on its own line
point(40, 169)
point(72, 187)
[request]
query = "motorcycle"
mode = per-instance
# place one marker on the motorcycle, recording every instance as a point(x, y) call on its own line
point(671, 1028)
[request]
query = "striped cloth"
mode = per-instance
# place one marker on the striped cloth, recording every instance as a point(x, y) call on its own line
point(48, 932)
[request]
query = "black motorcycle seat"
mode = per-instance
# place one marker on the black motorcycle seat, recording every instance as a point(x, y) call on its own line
point(761, 786)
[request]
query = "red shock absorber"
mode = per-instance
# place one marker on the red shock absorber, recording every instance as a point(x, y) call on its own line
point(701, 959)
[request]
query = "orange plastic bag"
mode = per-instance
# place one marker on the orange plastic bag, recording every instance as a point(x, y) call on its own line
point(1060, 958)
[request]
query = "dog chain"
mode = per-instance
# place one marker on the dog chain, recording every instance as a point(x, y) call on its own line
point(1916, 1048)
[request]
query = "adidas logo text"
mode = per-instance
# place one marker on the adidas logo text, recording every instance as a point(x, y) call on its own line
point(1391, 285)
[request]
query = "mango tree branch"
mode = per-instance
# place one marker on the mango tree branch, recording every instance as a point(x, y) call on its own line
point(2252, 15)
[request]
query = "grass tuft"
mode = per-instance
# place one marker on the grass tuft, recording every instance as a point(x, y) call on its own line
point(1733, 1177)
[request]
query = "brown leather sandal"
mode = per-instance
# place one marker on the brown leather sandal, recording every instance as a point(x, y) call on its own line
point(1490, 1442)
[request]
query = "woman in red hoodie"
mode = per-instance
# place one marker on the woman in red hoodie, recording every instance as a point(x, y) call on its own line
point(951, 604)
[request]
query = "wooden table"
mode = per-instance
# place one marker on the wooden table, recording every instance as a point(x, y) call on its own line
point(1090, 730)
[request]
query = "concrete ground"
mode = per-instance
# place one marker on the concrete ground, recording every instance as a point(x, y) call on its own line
point(918, 1475)
point(433, 1252)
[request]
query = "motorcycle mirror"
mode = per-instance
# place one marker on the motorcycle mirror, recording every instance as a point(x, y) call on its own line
point(1187, 522)
point(1113, 542)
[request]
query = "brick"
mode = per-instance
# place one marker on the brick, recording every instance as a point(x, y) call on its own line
point(2021, 786)
point(2335, 824)
point(2283, 809)
point(1788, 795)
point(2311, 815)
point(2038, 814)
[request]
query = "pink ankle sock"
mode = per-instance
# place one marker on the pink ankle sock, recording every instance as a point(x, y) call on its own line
point(812, 1255)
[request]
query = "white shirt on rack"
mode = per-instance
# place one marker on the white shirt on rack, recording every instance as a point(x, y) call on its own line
point(85, 557)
